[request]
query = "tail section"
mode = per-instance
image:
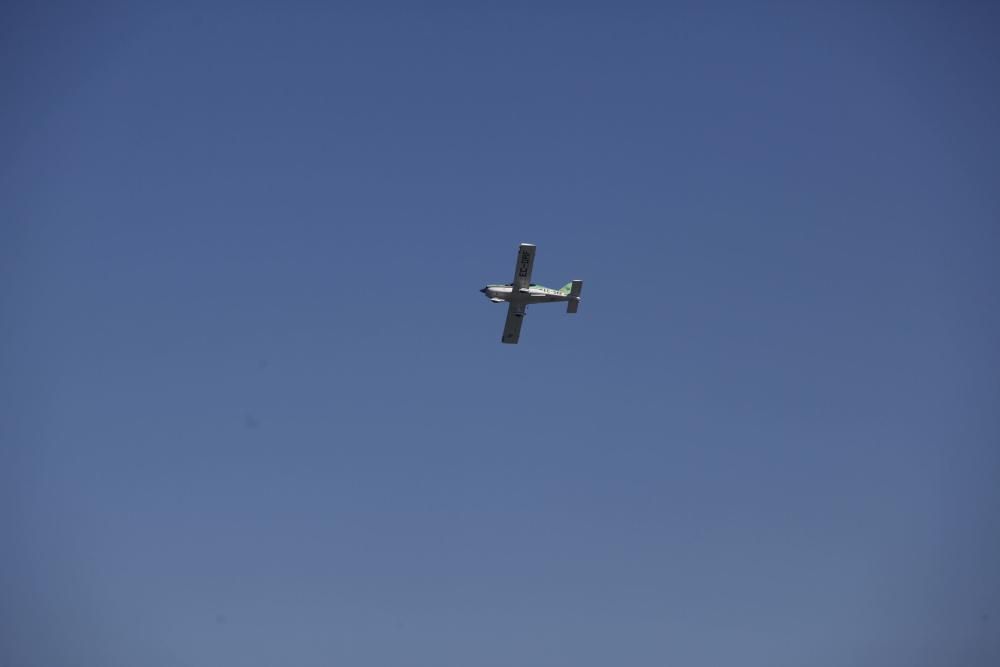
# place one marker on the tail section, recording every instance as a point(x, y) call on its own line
point(575, 287)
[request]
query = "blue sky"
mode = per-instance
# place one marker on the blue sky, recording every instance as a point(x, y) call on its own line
point(254, 410)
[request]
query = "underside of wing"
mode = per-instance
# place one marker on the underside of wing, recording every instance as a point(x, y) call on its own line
point(512, 327)
point(525, 262)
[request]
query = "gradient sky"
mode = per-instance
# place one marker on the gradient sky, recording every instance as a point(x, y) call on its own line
point(254, 410)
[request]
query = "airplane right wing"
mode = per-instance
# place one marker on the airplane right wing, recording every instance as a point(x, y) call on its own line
point(512, 327)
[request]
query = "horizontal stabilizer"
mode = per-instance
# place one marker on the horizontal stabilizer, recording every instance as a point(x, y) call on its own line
point(574, 296)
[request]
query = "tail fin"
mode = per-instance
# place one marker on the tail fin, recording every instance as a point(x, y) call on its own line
point(573, 292)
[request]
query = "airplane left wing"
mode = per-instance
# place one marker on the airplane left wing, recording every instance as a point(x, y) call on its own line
point(525, 261)
point(512, 327)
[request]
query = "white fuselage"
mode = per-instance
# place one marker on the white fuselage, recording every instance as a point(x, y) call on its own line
point(531, 294)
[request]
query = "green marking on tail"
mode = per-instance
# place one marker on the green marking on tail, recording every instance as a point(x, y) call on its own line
point(566, 288)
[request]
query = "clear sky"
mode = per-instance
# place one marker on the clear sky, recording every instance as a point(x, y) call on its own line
point(254, 410)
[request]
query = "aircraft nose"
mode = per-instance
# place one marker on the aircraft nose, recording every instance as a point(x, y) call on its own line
point(483, 290)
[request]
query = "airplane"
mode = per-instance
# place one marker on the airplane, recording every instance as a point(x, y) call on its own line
point(522, 292)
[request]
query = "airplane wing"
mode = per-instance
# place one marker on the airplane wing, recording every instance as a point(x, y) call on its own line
point(512, 327)
point(525, 261)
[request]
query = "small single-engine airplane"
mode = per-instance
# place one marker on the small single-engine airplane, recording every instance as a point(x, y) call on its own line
point(522, 291)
